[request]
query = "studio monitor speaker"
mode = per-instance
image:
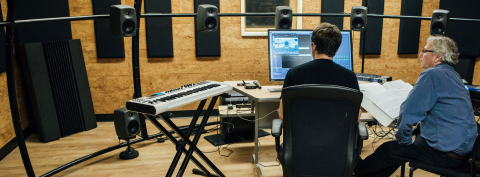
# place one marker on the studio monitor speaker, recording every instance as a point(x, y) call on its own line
point(283, 17)
point(127, 123)
point(123, 20)
point(358, 18)
point(207, 18)
point(439, 24)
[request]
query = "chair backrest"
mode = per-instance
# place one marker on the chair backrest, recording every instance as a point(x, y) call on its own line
point(320, 123)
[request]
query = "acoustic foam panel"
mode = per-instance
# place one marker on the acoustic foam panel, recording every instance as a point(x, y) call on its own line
point(41, 97)
point(207, 43)
point(409, 35)
point(46, 31)
point(159, 30)
point(108, 46)
point(464, 33)
point(333, 6)
point(465, 67)
point(373, 43)
point(58, 88)
point(3, 61)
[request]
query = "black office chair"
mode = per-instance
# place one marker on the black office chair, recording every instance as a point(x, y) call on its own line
point(320, 125)
point(466, 171)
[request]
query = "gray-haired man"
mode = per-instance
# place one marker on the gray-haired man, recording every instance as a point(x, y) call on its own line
point(440, 102)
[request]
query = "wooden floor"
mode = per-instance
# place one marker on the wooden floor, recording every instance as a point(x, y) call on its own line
point(154, 159)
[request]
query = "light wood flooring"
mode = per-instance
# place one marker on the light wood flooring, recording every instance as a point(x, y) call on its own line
point(154, 159)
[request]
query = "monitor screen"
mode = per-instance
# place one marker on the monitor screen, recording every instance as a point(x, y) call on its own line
point(289, 48)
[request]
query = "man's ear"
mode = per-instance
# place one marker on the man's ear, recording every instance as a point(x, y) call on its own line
point(438, 57)
point(314, 47)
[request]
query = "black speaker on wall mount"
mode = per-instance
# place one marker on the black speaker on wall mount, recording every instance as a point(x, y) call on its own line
point(283, 17)
point(123, 20)
point(127, 126)
point(439, 24)
point(207, 18)
point(358, 18)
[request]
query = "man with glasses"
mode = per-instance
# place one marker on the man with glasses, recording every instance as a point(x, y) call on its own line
point(441, 103)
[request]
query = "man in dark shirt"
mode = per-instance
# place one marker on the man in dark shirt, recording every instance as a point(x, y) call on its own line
point(326, 39)
point(441, 103)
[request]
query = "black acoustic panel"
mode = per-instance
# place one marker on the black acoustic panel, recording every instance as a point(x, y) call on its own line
point(84, 95)
point(40, 92)
point(207, 43)
point(373, 43)
point(465, 67)
point(58, 87)
point(108, 46)
point(333, 6)
point(64, 88)
point(3, 61)
point(466, 34)
point(42, 32)
point(409, 35)
point(159, 30)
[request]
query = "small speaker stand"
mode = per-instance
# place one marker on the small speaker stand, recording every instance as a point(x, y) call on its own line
point(129, 153)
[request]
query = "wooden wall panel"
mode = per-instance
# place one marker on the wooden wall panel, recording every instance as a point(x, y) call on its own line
point(111, 80)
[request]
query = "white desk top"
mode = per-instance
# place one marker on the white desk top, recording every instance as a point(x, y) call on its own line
point(257, 95)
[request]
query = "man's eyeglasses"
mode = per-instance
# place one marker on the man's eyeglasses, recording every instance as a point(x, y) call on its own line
point(425, 51)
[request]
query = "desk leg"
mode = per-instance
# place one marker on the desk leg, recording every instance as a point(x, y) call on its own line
point(257, 123)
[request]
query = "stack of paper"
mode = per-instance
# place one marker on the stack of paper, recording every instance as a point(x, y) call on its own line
point(383, 102)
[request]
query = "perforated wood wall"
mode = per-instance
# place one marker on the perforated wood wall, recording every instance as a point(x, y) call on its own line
point(111, 80)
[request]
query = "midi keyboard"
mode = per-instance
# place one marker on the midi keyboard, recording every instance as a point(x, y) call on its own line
point(171, 99)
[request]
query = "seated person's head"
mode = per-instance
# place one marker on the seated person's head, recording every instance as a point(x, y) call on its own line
point(326, 39)
point(439, 49)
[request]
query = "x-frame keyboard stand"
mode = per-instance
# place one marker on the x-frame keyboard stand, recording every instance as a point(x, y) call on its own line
point(185, 139)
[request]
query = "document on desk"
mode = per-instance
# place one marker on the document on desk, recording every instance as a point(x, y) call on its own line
point(390, 101)
point(367, 104)
point(383, 102)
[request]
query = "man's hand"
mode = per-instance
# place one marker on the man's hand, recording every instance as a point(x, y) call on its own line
point(280, 110)
point(413, 138)
point(359, 114)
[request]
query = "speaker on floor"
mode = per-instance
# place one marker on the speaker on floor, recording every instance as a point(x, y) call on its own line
point(207, 18)
point(127, 123)
point(123, 20)
point(283, 17)
point(439, 24)
point(358, 18)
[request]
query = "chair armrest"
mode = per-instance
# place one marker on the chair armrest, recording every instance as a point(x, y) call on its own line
point(362, 131)
point(277, 127)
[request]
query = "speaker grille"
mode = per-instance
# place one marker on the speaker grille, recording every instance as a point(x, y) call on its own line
point(64, 88)
point(285, 23)
point(357, 23)
point(128, 26)
point(133, 127)
point(210, 23)
point(438, 27)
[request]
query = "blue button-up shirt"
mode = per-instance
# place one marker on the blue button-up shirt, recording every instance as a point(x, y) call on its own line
point(441, 103)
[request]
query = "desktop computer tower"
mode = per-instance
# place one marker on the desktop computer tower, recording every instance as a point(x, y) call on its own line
point(234, 127)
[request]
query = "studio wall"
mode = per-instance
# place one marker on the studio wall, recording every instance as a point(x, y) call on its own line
point(111, 80)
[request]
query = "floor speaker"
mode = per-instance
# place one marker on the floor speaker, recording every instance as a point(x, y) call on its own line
point(59, 92)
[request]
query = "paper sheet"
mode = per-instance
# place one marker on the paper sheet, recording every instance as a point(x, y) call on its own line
point(390, 101)
point(370, 90)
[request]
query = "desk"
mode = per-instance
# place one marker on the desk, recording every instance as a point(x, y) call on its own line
point(263, 102)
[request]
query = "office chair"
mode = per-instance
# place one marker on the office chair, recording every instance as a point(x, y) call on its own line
point(320, 130)
point(467, 170)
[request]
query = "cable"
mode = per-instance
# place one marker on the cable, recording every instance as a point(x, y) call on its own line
point(255, 119)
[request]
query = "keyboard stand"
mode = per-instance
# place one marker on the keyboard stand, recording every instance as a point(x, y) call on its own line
point(185, 139)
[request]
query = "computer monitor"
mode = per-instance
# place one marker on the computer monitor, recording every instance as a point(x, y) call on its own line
point(289, 48)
